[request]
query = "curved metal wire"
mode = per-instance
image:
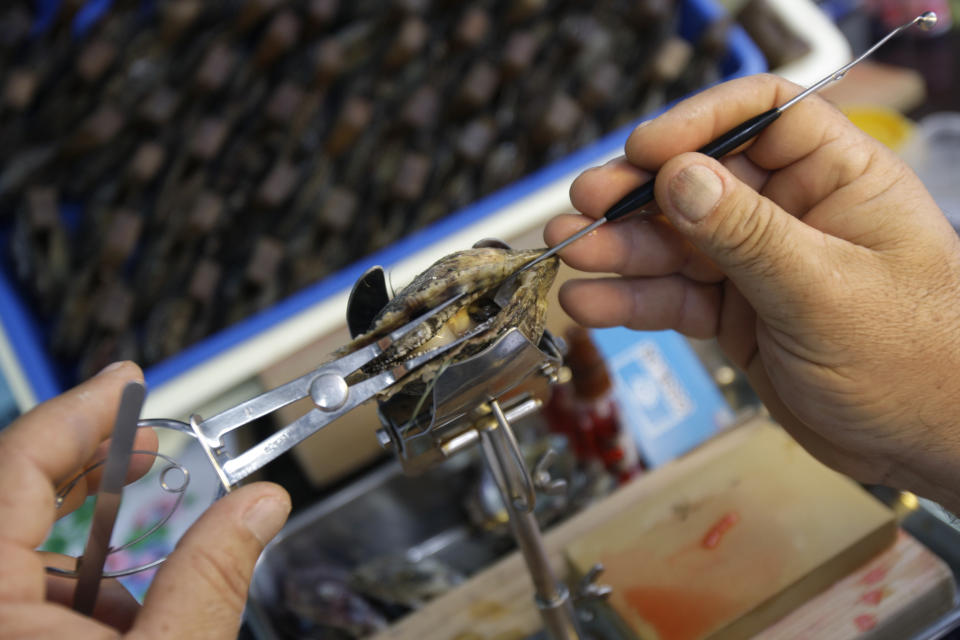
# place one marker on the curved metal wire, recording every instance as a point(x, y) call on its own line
point(167, 486)
point(180, 491)
point(516, 477)
point(166, 423)
point(68, 573)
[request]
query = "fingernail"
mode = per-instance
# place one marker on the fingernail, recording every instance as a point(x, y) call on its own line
point(111, 367)
point(266, 517)
point(695, 191)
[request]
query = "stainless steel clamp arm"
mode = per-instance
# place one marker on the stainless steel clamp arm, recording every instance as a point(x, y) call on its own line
point(326, 386)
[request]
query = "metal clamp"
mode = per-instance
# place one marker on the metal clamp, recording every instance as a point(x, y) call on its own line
point(459, 394)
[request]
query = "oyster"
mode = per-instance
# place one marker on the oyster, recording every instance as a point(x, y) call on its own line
point(478, 273)
point(316, 600)
point(397, 579)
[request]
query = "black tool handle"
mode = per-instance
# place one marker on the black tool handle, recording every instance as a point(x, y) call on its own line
point(715, 149)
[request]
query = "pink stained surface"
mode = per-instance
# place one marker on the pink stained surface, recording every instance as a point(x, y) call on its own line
point(874, 576)
point(874, 596)
point(712, 575)
point(716, 532)
point(865, 622)
point(681, 613)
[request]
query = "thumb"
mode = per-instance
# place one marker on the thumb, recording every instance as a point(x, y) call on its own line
point(770, 255)
point(200, 591)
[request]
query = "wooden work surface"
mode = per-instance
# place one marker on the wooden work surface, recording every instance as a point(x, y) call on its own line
point(895, 595)
point(736, 543)
point(497, 603)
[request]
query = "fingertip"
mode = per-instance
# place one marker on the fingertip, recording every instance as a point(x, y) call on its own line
point(638, 141)
point(567, 294)
point(636, 134)
point(578, 297)
point(202, 587)
point(60, 435)
point(122, 369)
point(265, 509)
point(562, 227)
point(242, 498)
point(267, 515)
point(146, 440)
point(581, 189)
point(597, 189)
point(260, 490)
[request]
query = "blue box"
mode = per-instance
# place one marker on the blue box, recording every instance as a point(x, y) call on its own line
point(24, 334)
point(667, 399)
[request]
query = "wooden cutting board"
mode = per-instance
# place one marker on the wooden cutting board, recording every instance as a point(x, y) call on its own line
point(895, 595)
point(497, 603)
point(736, 543)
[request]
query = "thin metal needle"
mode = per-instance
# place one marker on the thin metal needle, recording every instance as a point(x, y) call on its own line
point(926, 21)
point(558, 247)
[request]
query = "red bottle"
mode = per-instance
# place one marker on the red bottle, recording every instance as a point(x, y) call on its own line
point(586, 412)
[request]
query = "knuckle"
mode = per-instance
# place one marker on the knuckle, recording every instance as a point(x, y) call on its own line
point(768, 78)
point(750, 233)
point(682, 309)
point(220, 570)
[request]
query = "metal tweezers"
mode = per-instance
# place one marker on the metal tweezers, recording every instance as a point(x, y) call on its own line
point(326, 385)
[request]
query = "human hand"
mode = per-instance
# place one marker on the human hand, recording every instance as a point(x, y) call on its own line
point(201, 589)
point(815, 257)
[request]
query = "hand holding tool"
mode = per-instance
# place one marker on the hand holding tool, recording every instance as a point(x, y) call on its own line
point(730, 140)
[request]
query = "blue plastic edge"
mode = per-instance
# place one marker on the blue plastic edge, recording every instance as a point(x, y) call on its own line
point(26, 342)
point(744, 58)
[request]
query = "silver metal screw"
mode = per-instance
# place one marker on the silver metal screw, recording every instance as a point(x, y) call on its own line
point(329, 392)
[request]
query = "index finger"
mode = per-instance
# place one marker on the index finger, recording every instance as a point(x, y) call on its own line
point(50, 443)
point(694, 122)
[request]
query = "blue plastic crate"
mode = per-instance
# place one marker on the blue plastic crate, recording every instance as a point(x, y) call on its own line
point(24, 335)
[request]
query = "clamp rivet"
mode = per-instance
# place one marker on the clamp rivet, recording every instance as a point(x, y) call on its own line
point(329, 392)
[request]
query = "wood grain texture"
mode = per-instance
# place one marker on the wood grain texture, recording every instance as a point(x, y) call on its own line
point(736, 544)
point(894, 595)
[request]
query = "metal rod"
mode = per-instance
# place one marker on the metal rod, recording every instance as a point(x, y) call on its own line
point(551, 595)
point(519, 482)
point(925, 21)
point(556, 248)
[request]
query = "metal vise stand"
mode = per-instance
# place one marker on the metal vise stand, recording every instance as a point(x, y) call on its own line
point(466, 411)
